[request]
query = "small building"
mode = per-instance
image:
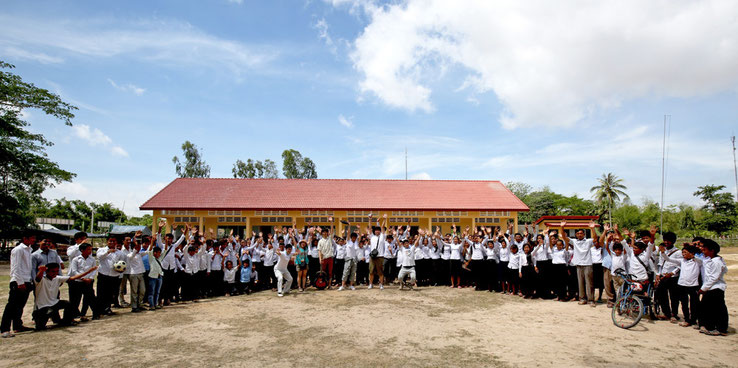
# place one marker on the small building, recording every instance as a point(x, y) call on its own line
point(259, 205)
point(573, 223)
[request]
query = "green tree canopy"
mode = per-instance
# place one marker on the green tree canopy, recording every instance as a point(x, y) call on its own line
point(255, 169)
point(719, 206)
point(294, 166)
point(192, 166)
point(608, 191)
point(25, 169)
point(80, 212)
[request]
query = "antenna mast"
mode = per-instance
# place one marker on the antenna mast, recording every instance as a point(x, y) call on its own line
point(735, 168)
point(663, 176)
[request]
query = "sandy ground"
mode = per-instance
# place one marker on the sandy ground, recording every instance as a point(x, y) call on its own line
point(429, 327)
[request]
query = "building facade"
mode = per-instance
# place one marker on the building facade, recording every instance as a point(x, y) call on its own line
point(259, 205)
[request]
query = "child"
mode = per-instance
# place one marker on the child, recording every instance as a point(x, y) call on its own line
point(156, 275)
point(527, 272)
point(302, 263)
point(713, 312)
point(245, 279)
point(619, 264)
point(408, 264)
point(284, 279)
point(47, 304)
point(229, 278)
point(688, 283)
point(349, 267)
point(191, 264)
point(83, 287)
point(559, 271)
point(515, 269)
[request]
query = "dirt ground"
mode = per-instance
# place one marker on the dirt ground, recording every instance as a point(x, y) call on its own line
point(429, 327)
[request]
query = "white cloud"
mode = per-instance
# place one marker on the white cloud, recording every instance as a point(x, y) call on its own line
point(322, 28)
point(95, 137)
point(12, 52)
point(127, 195)
point(164, 42)
point(548, 63)
point(239, 2)
point(345, 121)
point(138, 91)
point(421, 176)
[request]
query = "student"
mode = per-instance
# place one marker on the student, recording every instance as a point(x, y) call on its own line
point(559, 270)
point(491, 264)
point(21, 268)
point(477, 246)
point(136, 276)
point(606, 238)
point(598, 282)
point(455, 248)
point(83, 287)
point(124, 277)
point(639, 262)
point(408, 264)
point(339, 260)
point(284, 279)
point(542, 253)
point(169, 263)
point(191, 265)
point(302, 263)
point(666, 293)
point(73, 251)
point(156, 275)
point(713, 312)
point(47, 303)
point(229, 278)
point(377, 246)
point(108, 281)
point(688, 284)
point(503, 253)
point(219, 252)
point(350, 261)
point(390, 258)
point(326, 252)
point(247, 266)
point(515, 269)
point(527, 273)
point(313, 253)
point(582, 259)
point(619, 263)
point(45, 254)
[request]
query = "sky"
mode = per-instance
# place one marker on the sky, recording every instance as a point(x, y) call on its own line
point(547, 93)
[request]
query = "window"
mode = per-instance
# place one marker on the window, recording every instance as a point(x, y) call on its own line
point(359, 213)
point(487, 220)
point(403, 220)
point(450, 220)
point(317, 213)
point(451, 213)
point(277, 219)
point(317, 219)
point(232, 219)
point(494, 213)
point(358, 219)
point(407, 213)
point(224, 213)
point(177, 212)
point(186, 219)
point(270, 213)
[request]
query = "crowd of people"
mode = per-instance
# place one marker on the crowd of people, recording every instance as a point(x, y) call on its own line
point(156, 271)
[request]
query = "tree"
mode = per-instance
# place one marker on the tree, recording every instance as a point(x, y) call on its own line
point(255, 169)
point(521, 190)
point(294, 166)
point(80, 212)
point(608, 191)
point(25, 169)
point(720, 209)
point(193, 166)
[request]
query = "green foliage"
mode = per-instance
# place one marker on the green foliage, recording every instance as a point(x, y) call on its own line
point(25, 169)
point(544, 202)
point(255, 169)
point(720, 208)
point(193, 166)
point(145, 220)
point(80, 212)
point(608, 192)
point(294, 166)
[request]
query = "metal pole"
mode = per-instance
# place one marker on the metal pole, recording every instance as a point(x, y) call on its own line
point(735, 169)
point(663, 166)
point(92, 221)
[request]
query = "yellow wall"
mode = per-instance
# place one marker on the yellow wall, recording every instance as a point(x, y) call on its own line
point(207, 221)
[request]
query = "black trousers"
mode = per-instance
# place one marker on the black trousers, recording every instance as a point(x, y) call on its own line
point(314, 267)
point(82, 291)
point(559, 279)
point(337, 270)
point(666, 295)
point(13, 313)
point(527, 282)
point(215, 282)
point(477, 266)
point(107, 291)
point(572, 281)
point(389, 270)
point(41, 316)
point(189, 286)
point(259, 267)
point(490, 271)
point(690, 302)
point(169, 285)
point(362, 273)
point(445, 273)
point(292, 269)
point(201, 278)
point(713, 312)
point(543, 279)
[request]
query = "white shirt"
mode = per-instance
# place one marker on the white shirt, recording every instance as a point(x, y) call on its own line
point(135, 263)
point(635, 267)
point(47, 291)
point(689, 269)
point(582, 252)
point(455, 251)
point(216, 259)
point(596, 255)
point(350, 248)
point(491, 253)
point(517, 261)
point(504, 253)
point(408, 259)
point(559, 256)
point(340, 250)
point(169, 262)
point(229, 276)
point(477, 249)
point(191, 263)
point(670, 267)
point(21, 266)
point(73, 251)
point(378, 243)
point(123, 254)
point(283, 259)
point(390, 251)
point(80, 265)
point(542, 252)
point(715, 270)
point(107, 260)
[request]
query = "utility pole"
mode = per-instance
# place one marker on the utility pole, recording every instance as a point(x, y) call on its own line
point(663, 176)
point(92, 221)
point(735, 168)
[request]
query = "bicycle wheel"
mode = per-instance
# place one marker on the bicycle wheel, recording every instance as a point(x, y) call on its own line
point(627, 312)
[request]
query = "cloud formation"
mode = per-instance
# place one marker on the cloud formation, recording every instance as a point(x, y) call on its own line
point(345, 121)
point(138, 91)
point(95, 137)
point(548, 63)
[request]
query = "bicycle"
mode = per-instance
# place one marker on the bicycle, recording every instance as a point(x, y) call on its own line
point(633, 302)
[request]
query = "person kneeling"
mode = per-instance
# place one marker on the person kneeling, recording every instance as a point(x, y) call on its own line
point(408, 264)
point(47, 302)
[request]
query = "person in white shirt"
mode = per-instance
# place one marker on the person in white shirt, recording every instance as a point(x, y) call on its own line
point(229, 278)
point(666, 293)
point(390, 257)
point(713, 312)
point(542, 254)
point(455, 248)
point(83, 287)
point(156, 275)
point(688, 284)
point(169, 263)
point(21, 274)
point(125, 275)
point(108, 282)
point(377, 245)
point(620, 262)
point(284, 279)
point(47, 303)
point(136, 277)
point(559, 272)
point(582, 259)
point(326, 251)
point(219, 252)
point(408, 264)
point(73, 250)
point(515, 269)
point(350, 261)
point(477, 244)
point(339, 260)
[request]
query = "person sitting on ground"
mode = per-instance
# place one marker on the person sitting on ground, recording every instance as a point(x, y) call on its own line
point(47, 303)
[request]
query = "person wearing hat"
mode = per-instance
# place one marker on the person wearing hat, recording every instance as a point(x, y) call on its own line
point(326, 251)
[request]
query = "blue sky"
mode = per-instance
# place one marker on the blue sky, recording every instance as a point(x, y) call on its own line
point(534, 92)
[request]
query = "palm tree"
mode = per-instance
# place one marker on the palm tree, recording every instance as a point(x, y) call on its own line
point(610, 189)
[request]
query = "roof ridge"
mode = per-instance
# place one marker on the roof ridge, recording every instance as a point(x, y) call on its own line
point(347, 179)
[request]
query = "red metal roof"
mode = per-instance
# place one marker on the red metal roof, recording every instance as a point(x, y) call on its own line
point(335, 194)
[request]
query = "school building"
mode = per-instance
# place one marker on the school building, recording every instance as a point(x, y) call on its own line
point(259, 205)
